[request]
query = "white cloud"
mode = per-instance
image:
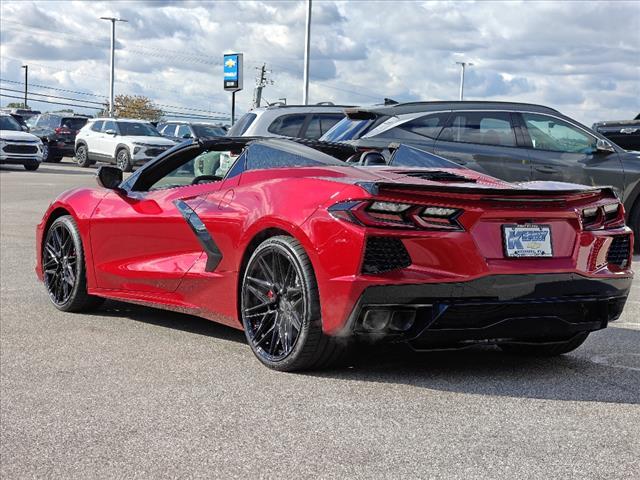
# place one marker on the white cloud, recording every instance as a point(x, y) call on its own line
point(582, 58)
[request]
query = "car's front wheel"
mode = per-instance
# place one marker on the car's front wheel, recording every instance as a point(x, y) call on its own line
point(82, 156)
point(280, 309)
point(545, 349)
point(123, 160)
point(64, 268)
point(45, 152)
point(32, 165)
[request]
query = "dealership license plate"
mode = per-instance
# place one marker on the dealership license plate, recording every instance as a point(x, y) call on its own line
point(527, 241)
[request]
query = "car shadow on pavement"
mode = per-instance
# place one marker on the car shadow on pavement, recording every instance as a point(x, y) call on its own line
point(168, 319)
point(605, 369)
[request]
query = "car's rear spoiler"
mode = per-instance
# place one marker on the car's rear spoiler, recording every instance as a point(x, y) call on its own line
point(529, 191)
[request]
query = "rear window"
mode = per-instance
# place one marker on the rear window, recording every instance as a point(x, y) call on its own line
point(321, 123)
point(203, 131)
point(241, 125)
point(288, 125)
point(351, 129)
point(74, 123)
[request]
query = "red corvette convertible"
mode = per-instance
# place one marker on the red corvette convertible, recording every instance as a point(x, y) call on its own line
point(307, 248)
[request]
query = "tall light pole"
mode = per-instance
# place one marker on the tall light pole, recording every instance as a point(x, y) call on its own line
point(463, 65)
point(26, 81)
point(307, 41)
point(113, 21)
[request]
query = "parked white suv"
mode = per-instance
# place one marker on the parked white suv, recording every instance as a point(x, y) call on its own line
point(18, 147)
point(299, 121)
point(125, 142)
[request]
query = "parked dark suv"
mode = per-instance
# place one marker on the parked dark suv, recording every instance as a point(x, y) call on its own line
point(512, 141)
point(58, 134)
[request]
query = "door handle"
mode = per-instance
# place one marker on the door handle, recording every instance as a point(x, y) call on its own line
point(546, 169)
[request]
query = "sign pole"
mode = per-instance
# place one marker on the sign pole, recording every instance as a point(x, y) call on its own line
point(233, 108)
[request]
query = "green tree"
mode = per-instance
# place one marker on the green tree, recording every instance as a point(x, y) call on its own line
point(15, 105)
point(135, 106)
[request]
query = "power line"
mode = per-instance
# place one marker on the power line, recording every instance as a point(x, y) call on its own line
point(54, 88)
point(53, 96)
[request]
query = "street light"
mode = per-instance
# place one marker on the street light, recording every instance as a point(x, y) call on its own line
point(26, 80)
point(307, 42)
point(113, 21)
point(463, 65)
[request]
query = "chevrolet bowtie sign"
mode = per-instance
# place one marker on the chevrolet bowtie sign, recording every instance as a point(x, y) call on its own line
point(232, 67)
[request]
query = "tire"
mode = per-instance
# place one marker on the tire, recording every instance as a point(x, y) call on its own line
point(82, 156)
point(32, 165)
point(634, 221)
point(532, 350)
point(64, 268)
point(278, 296)
point(123, 160)
point(45, 151)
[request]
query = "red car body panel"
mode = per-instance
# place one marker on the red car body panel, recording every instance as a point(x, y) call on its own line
point(139, 248)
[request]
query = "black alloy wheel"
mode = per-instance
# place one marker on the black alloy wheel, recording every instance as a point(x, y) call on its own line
point(82, 156)
point(280, 308)
point(60, 263)
point(123, 161)
point(64, 269)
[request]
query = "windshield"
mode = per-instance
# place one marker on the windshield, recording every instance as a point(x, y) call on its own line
point(347, 129)
point(241, 125)
point(405, 156)
point(133, 129)
point(208, 131)
point(74, 123)
point(9, 123)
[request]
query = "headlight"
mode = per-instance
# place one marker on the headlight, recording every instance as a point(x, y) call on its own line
point(136, 149)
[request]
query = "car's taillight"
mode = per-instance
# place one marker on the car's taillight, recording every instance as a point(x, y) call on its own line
point(606, 216)
point(397, 215)
point(62, 131)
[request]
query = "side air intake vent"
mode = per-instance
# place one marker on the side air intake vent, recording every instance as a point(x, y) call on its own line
point(383, 254)
point(618, 253)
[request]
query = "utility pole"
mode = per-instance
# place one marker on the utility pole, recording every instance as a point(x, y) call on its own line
point(26, 81)
point(307, 42)
point(261, 82)
point(113, 21)
point(463, 65)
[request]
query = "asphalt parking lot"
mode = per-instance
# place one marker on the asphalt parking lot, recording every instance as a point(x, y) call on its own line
point(132, 392)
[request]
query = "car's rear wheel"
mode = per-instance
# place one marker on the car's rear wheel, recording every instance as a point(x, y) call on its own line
point(545, 349)
point(32, 165)
point(64, 268)
point(82, 156)
point(280, 309)
point(123, 160)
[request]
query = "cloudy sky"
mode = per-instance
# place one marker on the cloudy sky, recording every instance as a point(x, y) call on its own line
point(582, 58)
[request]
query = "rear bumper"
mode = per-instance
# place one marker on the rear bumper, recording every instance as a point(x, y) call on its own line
point(496, 308)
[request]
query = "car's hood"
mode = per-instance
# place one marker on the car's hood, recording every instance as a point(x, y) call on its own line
point(19, 136)
point(150, 141)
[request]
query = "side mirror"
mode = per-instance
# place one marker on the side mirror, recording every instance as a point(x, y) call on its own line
point(186, 135)
point(109, 177)
point(110, 132)
point(604, 146)
point(24, 128)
